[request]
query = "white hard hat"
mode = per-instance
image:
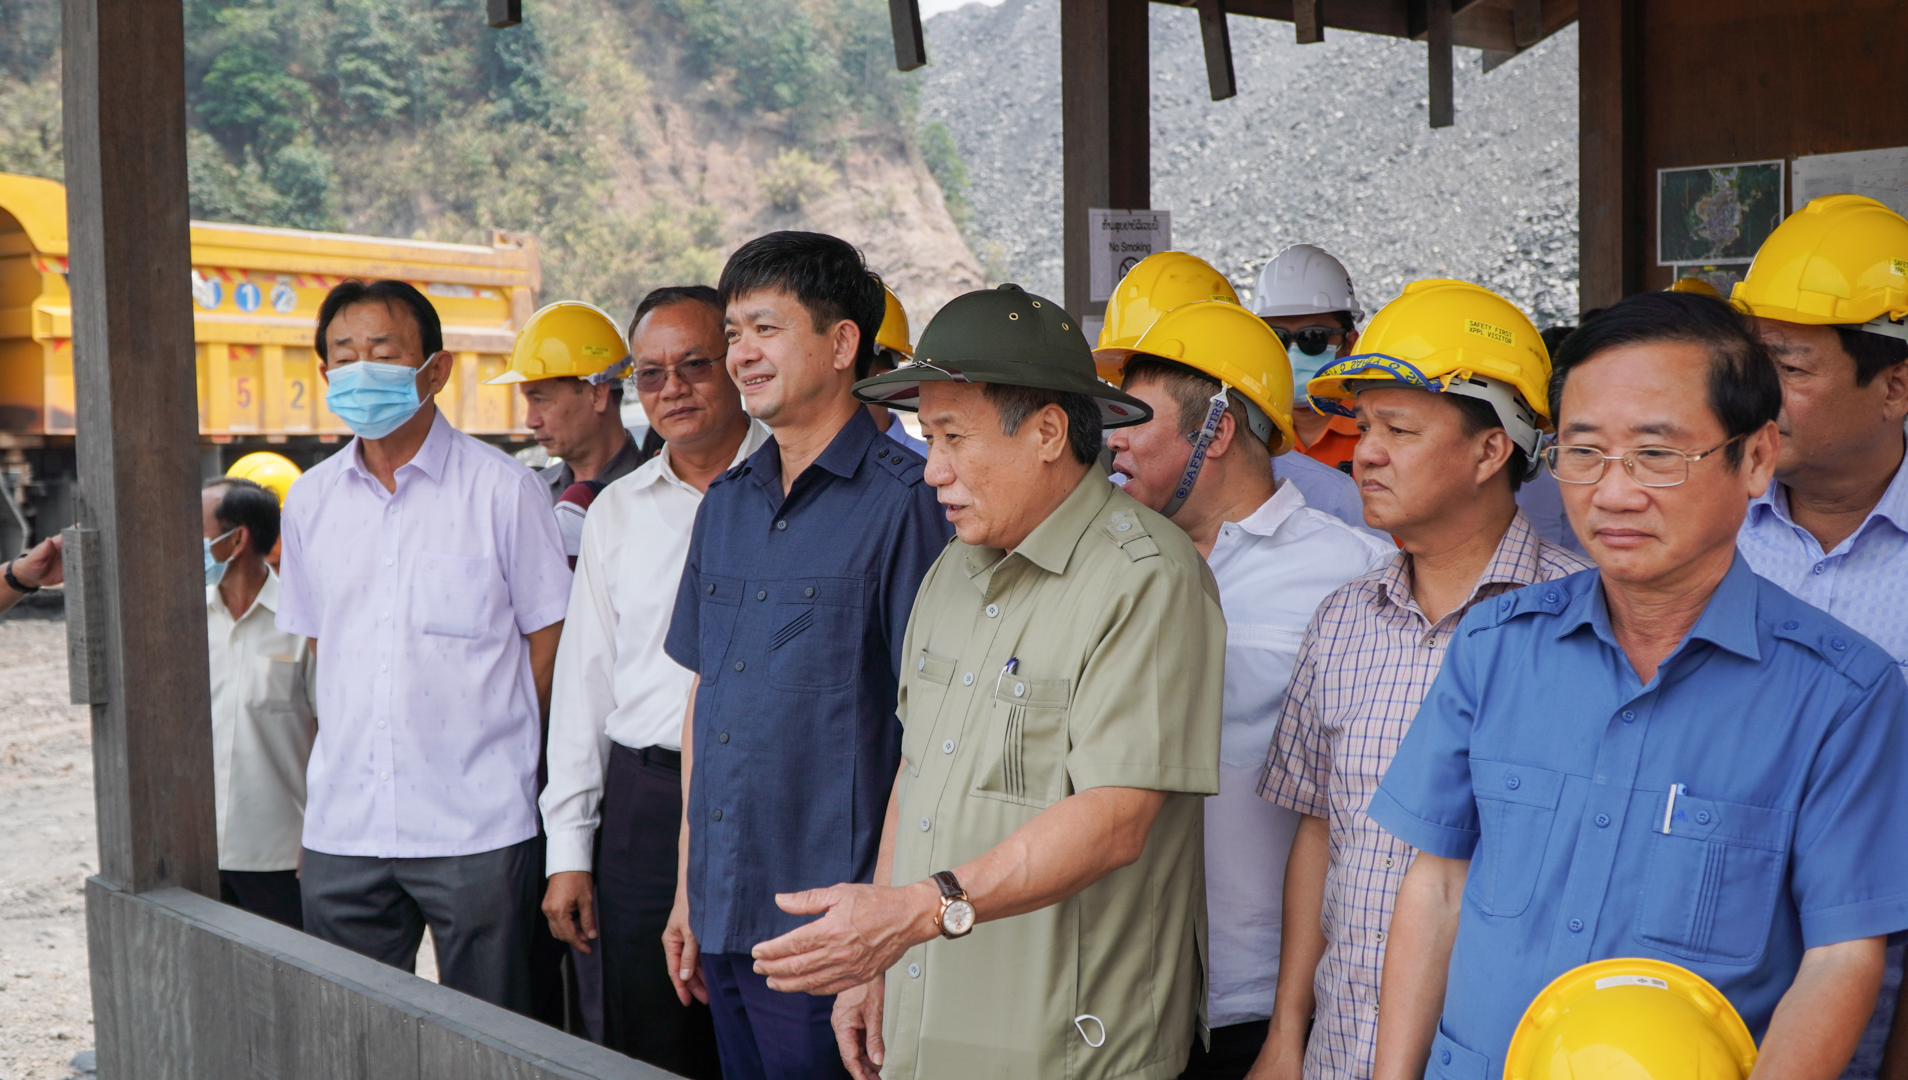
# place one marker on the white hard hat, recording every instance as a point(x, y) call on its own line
point(1304, 280)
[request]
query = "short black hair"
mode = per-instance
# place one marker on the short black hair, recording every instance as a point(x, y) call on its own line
point(1479, 415)
point(430, 331)
point(674, 294)
point(1872, 353)
point(247, 503)
point(1016, 403)
point(1744, 391)
point(1191, 390)
point(826, 274)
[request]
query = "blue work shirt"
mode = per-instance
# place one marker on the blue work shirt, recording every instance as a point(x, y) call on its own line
point(792, 611)
point(1539, 756)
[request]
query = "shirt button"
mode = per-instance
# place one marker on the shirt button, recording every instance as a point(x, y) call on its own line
point(1838, 644)
point(924, 825)
point(1502, 605)
point(914, 971)
point(711, 589)
point(739, 665)
point(993, 610)
point(1020, 689)
point(382, 667)
point(715, 815)
point(722, 737)
point(1702, 817)
point(1629, 715)
point(1819, 567)
point(781, 526)
point(1576, 926)
point(384, 615)
point(967, 679)
point(1791, 624)
point(1124, 526)
point(380, 723)
point(1444, 1056)
point(761, 594)
point(1430, 641)
point(809, 592)
point(1379, 937)
point(1388, 862)
point(881, 454)
point(1603, 821)
point(947, 747)
point(387, 562)
point(1512, 782)
point(921, 664)
point(384, 776)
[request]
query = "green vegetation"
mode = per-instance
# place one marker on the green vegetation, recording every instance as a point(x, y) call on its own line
point(944, 163)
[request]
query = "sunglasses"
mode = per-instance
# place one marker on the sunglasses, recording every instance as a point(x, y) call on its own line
point(1311, 341)
point(651, 379)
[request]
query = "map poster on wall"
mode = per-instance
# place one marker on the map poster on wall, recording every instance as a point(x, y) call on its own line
point(1882, 175)
point(1716, 213)
point(1118, 239)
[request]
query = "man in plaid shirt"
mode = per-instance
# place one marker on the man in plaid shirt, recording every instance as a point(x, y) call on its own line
point(1452, 375)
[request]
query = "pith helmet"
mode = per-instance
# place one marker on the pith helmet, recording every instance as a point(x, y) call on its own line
point(1630, 1019)
point(1156, 285)
point(567, 339)
point(1236, 347)
point(1842, 260)
point(1007, 336)
point(268, 470)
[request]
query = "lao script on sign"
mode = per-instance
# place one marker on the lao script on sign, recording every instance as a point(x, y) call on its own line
point(1117, 240)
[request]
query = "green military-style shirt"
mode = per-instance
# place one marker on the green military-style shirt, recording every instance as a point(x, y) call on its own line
point(1114, 621)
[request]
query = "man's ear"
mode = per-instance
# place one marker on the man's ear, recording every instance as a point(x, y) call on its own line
point(846, 340)
point(1759, 449)
point(1051, 441)
point(439, 366)
point(1494, 453)
point(1222, 439)
point(1895, 392)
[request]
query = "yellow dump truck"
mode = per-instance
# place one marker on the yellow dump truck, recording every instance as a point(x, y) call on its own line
point(255, 297)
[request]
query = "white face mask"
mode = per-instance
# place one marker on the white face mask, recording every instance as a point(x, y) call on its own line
point(1305, 368)
point(214, 568)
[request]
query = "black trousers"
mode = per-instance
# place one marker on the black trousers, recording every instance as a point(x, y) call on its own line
point(635, 888)
point(1234, 1048)
point(271, 893)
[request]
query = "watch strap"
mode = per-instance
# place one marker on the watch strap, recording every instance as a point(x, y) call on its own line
point(950, 888)
point(23, 589)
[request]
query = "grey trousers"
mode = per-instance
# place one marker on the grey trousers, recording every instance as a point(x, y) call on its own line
point(481, 909)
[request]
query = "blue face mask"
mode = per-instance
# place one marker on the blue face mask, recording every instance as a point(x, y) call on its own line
point(215, 569)
point(1306, 367)
point(374, 399)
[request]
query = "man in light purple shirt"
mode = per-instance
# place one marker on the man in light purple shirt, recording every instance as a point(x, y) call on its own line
point(430, 573)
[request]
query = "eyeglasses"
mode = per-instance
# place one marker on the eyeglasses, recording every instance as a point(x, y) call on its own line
point(1311, 341)
point(651, 379)
point(1650, 466)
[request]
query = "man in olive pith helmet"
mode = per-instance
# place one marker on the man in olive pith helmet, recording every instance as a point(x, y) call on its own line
point(1060, 709)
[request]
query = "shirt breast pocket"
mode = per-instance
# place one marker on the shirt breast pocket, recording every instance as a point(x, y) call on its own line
point(1711, 887)
point(449, 594)
point(1024, 756)
point(277, 685)
point(715, 623)
point(927, 688)
point(1516, 807)
point(815, 633)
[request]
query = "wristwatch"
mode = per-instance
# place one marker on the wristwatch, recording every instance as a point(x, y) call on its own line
point(957, 911)
point(16, 584)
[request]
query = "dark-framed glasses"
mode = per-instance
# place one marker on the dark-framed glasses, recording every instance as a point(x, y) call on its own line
point(1650, 466)
point(1311, 341)
point(654, 378)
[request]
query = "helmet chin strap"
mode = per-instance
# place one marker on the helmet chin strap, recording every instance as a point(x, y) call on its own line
point(1201, 442)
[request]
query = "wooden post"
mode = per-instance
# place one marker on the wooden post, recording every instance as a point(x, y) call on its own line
point(504, 13)
point(1611, 231)
point(910, 45)
point(1106, 125)
point(1217, 38)
point(138, 441)
point(1441, 98)
point(1308, 19)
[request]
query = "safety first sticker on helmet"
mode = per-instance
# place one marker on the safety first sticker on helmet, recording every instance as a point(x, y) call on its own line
point(1489, 332)
point(1630, 980)
point(595, 350)
point(1899, 266)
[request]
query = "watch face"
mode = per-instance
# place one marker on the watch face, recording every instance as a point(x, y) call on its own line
point(958, 919)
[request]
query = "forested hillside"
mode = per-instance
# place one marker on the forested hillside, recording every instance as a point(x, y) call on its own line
point(638, 139)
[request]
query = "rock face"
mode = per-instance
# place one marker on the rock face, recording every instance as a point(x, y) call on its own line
point(1324, 144)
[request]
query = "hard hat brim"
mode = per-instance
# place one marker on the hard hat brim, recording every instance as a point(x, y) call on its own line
point(901, 388)
point(1284, 311)
point(507, 378)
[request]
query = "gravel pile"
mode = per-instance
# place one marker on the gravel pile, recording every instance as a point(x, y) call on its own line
point(1326, 144)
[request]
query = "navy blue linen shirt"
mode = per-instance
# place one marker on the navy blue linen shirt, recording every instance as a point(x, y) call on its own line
point(1540, 756)
point(792, 610)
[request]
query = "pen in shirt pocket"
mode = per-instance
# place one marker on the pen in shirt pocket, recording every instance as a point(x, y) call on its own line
point(1010, 667)
point(1669, 808)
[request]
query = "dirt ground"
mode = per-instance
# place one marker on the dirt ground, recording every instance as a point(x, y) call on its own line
point(46, 852)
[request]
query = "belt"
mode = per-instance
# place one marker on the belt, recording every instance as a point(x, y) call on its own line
point(656, 756)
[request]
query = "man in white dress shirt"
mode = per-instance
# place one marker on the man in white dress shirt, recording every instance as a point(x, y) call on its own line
point(1274, 559)
point(613, 806)
point(263, 714)
point(429, 570)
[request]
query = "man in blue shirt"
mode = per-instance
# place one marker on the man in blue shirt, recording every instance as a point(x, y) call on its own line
point(1670, 757)
point(801, 572)
point(1833, 528)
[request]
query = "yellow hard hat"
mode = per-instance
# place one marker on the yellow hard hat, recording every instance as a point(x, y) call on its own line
point(1630, 1019)
point(1156, 285)
point(1454, 337)
point(567, 339)
point(1694, 285)
point(1841, 260)
point(1234, 346)
point(894, 327)
point(267, 470)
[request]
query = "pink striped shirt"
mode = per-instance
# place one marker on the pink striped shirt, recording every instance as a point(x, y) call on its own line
point(1368, 659)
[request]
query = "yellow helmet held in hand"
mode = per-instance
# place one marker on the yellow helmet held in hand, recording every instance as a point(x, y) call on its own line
point(1236, 347)
point(567, 340)
point(1156, 285)
point(267, 470)
point(1630, 1019)
point(1842, 260)
point(894, 328)
point(1451, 337)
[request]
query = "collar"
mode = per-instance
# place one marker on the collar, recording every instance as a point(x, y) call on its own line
point(662, 466)
point(1285, 501)
point(1051, 544)
point(267, 597)
point(1514, 563)
point(842, 457)
point(1334, 425)
point(1893, 507)
point(1728, 620)
point(429, 458)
